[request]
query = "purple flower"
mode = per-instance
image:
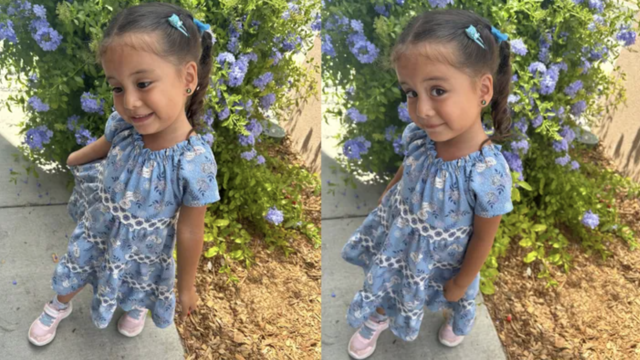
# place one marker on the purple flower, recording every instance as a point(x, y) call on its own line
point(276, 56)
point(327, 46)
point(225, 57)
point(37, 136)
point(7, 32)
point(549, 81)
point(537, 67)
point(590, 219)
point(629, 37)
point(40, 11)
point(208, 117)
point(290, 42)
point(598, 52)
point(224, 113)
point(573, 88)
point(520, 145)
point(561, 145)
point(357, 26)
point(545, 44)
point(83, 136)
point(514, 78)
point(72, 122)
point(235, 28)
point(440, 3)
point(254, 127)
point(390, 132)
point(514, 161)
point(537, 121)
point(578, 108)
point(363, 49)
point(563, 160)
point(586, 65)
point(522, 125)
point(48, 38)
point(597, 5)
point(568, 134)
point(90, 103)
point(249, 56)
point(208, 138)
point(238, 71)
point(400, 2)
point(356, 116)
point(513, 98)
point(248, 155)
point(597, 20)
point(397, 146)
point(575, 165)
point(37, 104)
point(518, 47)
point(403, 112)
point(293, 8)
point(353, 148)
point(246, 140)
point(560, 66)
point(267, 100)
point(382, 10)
point(260, 159)
point(262, 81)
point(274, 216)
point(316, 25)
point(33, 78)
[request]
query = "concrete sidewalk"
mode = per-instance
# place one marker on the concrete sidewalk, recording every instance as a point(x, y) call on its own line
point(342, 213)
point(34, 224)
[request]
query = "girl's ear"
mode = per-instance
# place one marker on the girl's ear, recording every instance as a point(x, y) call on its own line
point(486, 87)
point(190, 72)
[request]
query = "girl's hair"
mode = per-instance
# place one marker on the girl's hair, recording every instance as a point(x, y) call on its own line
point(172, 44)
point(447, 27)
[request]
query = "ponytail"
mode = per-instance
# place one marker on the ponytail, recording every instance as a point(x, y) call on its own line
point(501, 89)
point(195, 104)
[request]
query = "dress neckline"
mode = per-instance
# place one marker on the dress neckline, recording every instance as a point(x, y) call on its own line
point(190, 141)
point(476, 156)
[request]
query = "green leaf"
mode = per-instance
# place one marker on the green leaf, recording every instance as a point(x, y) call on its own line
point(531, 256)
point(539, 228)
point(221, 223)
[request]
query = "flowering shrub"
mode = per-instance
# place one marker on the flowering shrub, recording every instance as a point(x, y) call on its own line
point(48, 49)
point(557, 48)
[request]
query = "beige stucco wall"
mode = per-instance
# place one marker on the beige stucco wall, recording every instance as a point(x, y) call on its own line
point(619, 132)
point(304, 124)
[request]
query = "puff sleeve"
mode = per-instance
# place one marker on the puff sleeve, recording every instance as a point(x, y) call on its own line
point(413, 139)
point(197, 177)
point(115, 125)
point(490, 185)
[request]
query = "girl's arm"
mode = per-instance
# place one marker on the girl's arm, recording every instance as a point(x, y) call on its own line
point(484, 232)
point(190, 242)
point(395, 180)
point(96, 150)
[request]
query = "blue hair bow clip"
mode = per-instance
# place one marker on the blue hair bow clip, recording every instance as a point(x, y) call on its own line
point(474, 35)
point(202, 27)
point(498, 35)
point(175, 21)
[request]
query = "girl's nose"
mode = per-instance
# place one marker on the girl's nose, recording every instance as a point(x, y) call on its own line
point(424, 108)
point(131, 100)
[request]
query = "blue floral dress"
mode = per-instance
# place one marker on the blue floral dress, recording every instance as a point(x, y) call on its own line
point(125, 207)
point(415, 241)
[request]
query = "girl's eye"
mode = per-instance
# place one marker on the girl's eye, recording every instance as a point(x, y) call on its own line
point(116, 90)
point(436, 90)
point(411, 94)
point(146, 84)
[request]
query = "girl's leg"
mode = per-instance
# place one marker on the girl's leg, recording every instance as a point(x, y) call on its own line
point(363, 342)
point(66, 298)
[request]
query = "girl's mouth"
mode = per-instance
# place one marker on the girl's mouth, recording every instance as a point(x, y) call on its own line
point(138, 120)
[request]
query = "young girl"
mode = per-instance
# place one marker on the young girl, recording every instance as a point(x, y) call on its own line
point(157, 59)
point(427, 240)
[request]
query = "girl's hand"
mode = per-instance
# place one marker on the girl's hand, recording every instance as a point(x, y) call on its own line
point(71, 161)
point(188, 301)
point(452, 291)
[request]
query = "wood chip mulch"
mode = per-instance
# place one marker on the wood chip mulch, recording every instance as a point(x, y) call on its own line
point(594, 312)
point(273, 312)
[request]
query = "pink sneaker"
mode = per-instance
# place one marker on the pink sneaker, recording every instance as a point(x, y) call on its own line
point(40, 333)
point(360, 347)
point(130, 327)
point(447, 337)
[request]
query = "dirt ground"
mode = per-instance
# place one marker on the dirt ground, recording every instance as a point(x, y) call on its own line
point(273, 312)
point(594, 312)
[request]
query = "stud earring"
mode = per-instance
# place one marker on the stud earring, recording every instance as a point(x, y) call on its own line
point(189, 91)
point(484, 102)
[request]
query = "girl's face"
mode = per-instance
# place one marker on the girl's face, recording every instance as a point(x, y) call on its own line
point(442, 100)
point(145, 84)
